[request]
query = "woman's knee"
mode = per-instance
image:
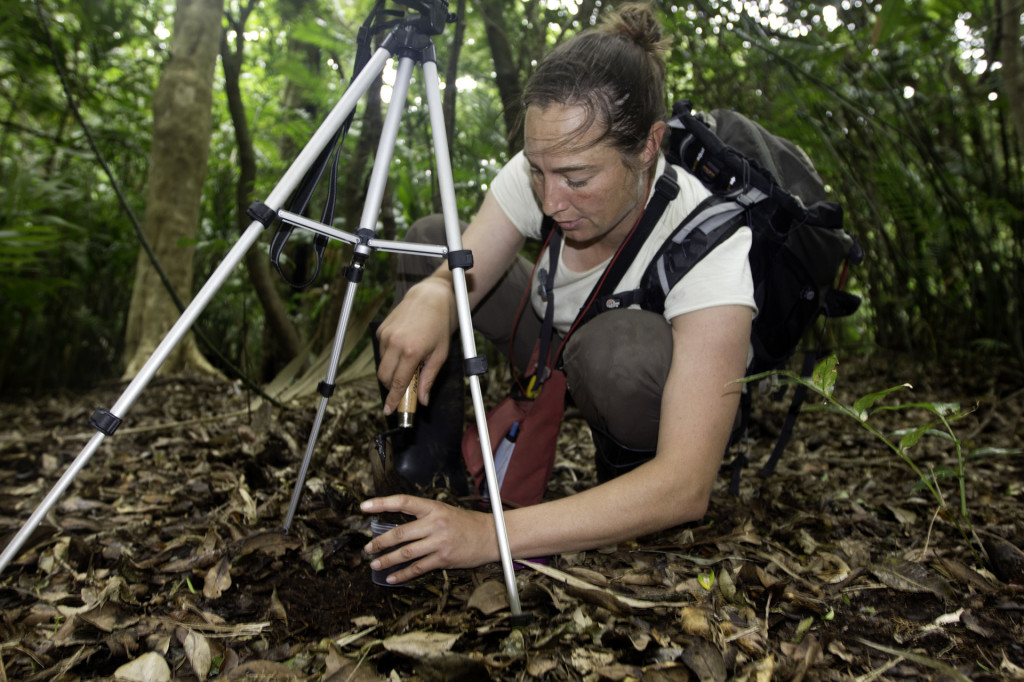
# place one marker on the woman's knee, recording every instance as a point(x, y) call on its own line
point(616, 366)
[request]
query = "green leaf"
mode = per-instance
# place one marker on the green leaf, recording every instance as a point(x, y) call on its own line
point(946, 409)
point(887, 21)
point(939, 474)
point(824, 376)
point(866, 402)
point(910, 438)
point(802, 628)
point(926, 429)
point(316, 560)
point(938, 409)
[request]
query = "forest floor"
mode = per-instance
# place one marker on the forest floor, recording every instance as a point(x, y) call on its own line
point(165, 557)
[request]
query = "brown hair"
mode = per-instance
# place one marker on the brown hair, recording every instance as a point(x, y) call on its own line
point(615, 72)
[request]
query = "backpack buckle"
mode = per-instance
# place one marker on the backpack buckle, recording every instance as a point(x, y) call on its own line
point(667, 185)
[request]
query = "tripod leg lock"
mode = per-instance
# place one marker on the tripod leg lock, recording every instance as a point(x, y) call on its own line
point(476, 365)
point(353, 273)
point(460, 259)
point(325, 389)
point(104, 421)
point(261, 212)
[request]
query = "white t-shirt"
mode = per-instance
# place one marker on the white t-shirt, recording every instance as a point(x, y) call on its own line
point(720, 278)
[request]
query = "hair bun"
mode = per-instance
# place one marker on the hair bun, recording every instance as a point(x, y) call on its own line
point(636, 22)
point(615, 72)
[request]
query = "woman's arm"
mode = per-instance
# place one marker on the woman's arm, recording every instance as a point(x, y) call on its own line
point(418, 331)
point(698, 409)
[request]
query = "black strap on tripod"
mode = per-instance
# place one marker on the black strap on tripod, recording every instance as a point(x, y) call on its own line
point(300, 200)
point(298, 204)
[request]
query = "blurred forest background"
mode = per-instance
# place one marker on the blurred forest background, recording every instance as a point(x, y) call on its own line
point(135, 132)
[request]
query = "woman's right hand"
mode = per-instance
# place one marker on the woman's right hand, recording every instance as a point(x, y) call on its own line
point(416, 336)
point(417, 333)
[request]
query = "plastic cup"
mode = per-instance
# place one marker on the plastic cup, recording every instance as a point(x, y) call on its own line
point(378, 527)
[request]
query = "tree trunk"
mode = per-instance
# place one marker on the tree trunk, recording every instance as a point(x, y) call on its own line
point(451, 77)
point(283, 340)
point(1008, 25)
point(298, 99)
point(182, 122)
point(506, 74)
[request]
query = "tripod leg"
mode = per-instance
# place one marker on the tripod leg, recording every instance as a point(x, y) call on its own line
point(326, 390)
point(131, 393)
point(446, 186)
point(354, 272)
point(286, 185)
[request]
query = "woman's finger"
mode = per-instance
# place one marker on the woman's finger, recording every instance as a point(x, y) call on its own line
point(405, 504)
point(428, 373)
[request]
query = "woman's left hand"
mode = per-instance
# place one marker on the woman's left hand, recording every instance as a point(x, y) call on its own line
point(442, 536)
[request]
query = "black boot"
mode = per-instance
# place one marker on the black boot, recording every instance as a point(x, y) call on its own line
point(429, 453)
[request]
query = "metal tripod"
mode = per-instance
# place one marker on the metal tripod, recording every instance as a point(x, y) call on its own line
point(411, 43)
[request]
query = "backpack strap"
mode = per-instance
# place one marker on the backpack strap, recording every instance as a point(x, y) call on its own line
point(712, 222)
point(786, 432)
point(601, 297)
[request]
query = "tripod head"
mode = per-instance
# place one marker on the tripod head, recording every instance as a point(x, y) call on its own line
point(433, 15)
point(410, 32)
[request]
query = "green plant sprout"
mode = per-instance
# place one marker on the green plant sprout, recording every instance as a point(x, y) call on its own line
point(822, 382)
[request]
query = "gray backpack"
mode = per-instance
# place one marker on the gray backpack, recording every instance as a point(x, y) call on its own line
point(800, 251)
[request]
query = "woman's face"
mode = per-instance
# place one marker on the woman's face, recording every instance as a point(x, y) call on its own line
point(586, 188)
